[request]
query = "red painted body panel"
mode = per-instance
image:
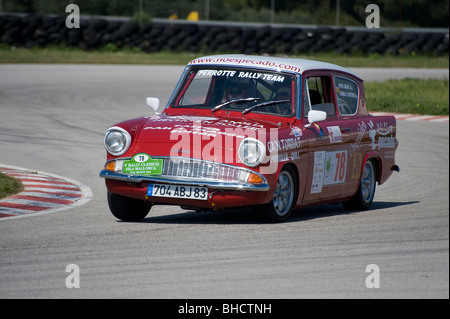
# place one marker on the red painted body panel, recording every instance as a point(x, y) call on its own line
point(216, 200)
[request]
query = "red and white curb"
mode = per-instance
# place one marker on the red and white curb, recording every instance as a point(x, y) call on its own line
point(43, 193)
point(415, 117)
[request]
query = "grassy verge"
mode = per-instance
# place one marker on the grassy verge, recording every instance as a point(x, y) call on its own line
point(383, 61)
point(9, 186)
point(429, 97)
point(110, 55)
point(107, 55)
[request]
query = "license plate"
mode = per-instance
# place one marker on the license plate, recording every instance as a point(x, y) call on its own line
point(177, 191)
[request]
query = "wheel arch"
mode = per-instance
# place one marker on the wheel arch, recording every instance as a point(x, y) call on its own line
point(376, 160)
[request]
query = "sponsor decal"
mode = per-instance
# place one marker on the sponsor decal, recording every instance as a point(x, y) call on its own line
point(216, 73)
point(284, 144)
point(318, 172)
point(357, 162)
point(384, 141)
point(335, 167)
point(361, 130)
point(143, 164)
point(329, 168)
point(248, 62)
point(334, 134)
point(297, 131)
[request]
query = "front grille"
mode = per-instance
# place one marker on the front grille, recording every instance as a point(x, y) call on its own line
point(187, 168)
point(188, 171)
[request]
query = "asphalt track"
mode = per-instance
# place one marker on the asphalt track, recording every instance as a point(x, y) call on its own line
point(53, 119)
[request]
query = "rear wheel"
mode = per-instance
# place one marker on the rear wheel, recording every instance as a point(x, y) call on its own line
point(283, 201)
point(363, 198)
point(126, 208)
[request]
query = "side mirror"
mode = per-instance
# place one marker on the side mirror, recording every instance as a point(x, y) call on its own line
point(316, 116)
point(153, 102)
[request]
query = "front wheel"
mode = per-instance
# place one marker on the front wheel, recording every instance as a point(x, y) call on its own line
point(283, 201)
point(126, 208)
point(363, 198)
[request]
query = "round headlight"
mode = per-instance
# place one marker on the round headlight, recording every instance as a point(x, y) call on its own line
point(117, 141)
point(251, 151)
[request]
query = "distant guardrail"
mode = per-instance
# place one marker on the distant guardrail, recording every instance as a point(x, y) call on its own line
point(29, 31)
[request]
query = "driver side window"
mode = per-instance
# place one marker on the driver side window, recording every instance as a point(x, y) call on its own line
point(318, 95)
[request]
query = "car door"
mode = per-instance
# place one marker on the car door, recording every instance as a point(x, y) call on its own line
point(328, 141)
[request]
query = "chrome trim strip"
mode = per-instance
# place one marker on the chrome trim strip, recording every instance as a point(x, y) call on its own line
point(160, 179)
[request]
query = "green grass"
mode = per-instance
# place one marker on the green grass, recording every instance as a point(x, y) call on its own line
point(382, 61)
point(429, 97)
point(111, 55)
point(106, 55)
point(9, 186)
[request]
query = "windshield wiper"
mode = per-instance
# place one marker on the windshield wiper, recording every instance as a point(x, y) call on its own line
point(263, 104)
point(249, 99)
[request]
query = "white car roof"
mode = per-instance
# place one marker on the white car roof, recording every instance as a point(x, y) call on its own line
point(272, 63)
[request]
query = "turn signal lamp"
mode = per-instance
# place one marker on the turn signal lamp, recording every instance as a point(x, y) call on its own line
point(111, 166)
point(254, 179)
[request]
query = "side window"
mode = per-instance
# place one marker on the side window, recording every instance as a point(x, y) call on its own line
point(347, 94)
point(318, 95)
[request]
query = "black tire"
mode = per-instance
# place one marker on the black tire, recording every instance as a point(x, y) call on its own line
point(127, 209)
point(280, 207)
point(363, 198)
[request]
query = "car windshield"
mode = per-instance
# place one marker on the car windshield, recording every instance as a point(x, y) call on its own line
point(242, 90)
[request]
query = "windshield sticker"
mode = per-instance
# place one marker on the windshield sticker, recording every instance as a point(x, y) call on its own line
point(216, 73)
point(264, 76)
point(249, 62)
point(143, 164)
point(243, 75)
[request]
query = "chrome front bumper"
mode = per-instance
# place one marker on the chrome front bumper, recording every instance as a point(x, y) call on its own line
point(181, 181)
point(195, 172)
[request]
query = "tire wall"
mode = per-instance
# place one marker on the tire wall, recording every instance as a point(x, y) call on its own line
point(202, 37)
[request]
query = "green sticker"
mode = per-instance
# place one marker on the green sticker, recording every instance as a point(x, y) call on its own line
point(143, 164)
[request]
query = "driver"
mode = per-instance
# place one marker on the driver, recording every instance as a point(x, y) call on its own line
point(283, 93)
point(236, 89)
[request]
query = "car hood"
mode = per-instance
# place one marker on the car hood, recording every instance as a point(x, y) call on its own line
point(209, 138)
point(164, 128)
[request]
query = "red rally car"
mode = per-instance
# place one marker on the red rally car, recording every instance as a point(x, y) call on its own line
point(275, 134)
